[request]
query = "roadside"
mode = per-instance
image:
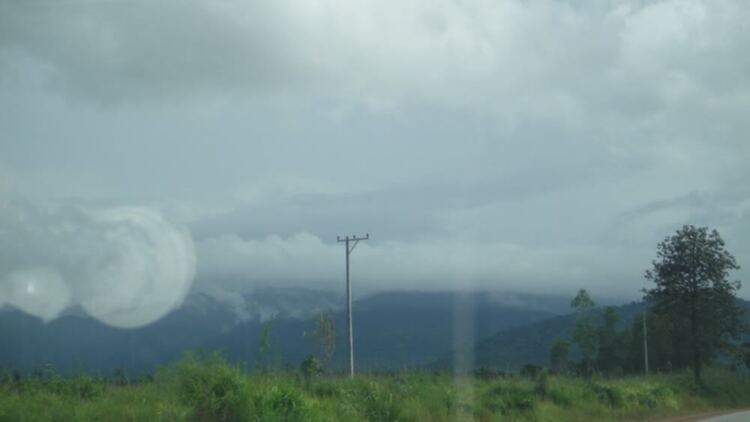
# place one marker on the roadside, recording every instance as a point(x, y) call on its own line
point(708, 416)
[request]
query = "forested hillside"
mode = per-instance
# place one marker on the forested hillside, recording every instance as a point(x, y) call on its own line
point(393, 330)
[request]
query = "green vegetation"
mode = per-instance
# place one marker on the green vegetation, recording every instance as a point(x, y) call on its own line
point(584, 333)
point(694, 294)
point(262, 355)
point(324, 335)
point(558, 355)
point(311, 367)
point(602, 348)
point(208, 388)
point(694, 319)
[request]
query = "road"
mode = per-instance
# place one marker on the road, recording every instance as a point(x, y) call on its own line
point(732, 417)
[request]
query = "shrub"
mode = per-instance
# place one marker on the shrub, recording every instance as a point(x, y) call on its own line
point(86, 387)
point(120, 377)
point(378, 403)
point(542, 381)
point(80, 386)
point(509, 399)
point(325, 389)
point(484, 373)
point(530, 371)
point(560, 396)
point(214, 389)
point(611, 396)
point(311, 367)
point(287, 404)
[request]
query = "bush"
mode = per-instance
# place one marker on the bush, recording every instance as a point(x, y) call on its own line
point(311, 367)
point(560, 396)
point(214, 389)
point(542, 381)
point(509, 400)
point(120, 377)
point(610, 396)
point(530, 371)
point(80, 386)
point(489, 374)
point(378, 403)
point(287, 404)
point(86, 387)
point(326, 389)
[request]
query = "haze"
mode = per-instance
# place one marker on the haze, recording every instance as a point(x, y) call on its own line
point(539, 146)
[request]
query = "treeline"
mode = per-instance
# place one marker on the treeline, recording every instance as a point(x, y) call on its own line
point(691, 316)
point(600, 344)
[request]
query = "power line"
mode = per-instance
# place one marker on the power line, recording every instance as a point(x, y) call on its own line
point(349, 249)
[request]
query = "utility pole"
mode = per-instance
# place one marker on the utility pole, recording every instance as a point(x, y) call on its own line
point(645, 338)
point(347, 240)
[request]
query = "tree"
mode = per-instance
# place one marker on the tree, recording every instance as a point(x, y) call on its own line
point(610, 356)
point(558, 354)
point(324, 335)
point(691, 273)
point(584, 333)
point(666, 350)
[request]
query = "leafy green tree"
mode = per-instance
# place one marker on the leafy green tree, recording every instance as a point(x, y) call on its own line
point(667, 349)
point(584, 332)
point(659, 345)
point(558, 354)
point(692, 289)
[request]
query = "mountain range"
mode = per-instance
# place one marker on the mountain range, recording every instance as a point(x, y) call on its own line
point(392, 330)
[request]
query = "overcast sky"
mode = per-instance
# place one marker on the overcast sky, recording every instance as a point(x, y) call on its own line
point(505, 144)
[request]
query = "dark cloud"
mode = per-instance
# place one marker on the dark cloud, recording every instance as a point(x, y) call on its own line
point(115, 51)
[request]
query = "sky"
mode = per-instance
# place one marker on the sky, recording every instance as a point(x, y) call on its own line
point(151, 148)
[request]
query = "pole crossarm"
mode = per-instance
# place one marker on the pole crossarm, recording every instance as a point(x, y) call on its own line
point(354, 239)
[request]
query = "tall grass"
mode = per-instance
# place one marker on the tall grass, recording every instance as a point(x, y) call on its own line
point(205, 387)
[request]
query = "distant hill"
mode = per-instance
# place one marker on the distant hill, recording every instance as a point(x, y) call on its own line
point(397, 329)
point(75, 342)
point(392, 330)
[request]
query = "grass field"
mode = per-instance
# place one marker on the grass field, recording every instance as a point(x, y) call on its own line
point(207, 388)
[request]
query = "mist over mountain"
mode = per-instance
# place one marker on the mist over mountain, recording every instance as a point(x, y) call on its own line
point(392, 329)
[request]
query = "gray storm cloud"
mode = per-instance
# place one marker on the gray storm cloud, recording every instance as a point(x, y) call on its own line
point(124, 266)
point(543, 144)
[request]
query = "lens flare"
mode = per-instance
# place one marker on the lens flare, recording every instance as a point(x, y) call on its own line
point(126, 266)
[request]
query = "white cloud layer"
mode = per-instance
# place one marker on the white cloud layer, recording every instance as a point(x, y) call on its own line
point(612, 270)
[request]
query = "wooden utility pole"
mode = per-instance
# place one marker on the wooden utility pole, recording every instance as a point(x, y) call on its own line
point(645, 338)
point(347, 240)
